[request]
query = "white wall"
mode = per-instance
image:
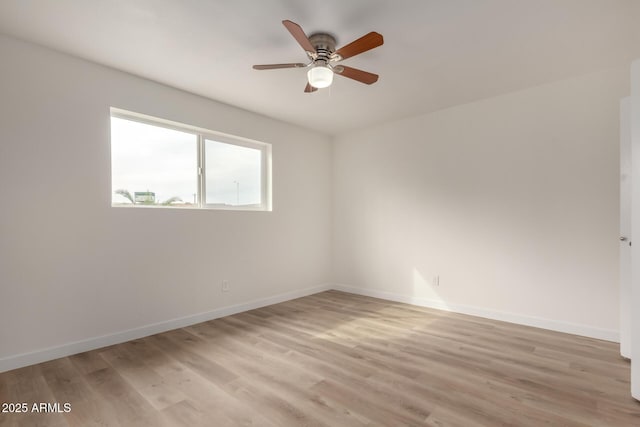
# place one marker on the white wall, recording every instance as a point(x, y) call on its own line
point(73, 268)
point(512, 201)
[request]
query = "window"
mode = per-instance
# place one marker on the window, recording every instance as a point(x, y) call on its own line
point(156, 163)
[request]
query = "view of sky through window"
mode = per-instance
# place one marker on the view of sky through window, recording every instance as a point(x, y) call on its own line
point(158, 166)
point(233, 174)
point(155, 160)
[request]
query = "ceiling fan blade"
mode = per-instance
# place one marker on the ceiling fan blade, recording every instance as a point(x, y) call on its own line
point(363, 44)
point(276, 66)
point(356, 74)
point(298, 33)
point(310, 88)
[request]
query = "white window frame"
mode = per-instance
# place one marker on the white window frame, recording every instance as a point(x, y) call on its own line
point(201, 135)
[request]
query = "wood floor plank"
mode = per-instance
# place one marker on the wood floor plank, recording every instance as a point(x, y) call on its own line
point(277, 373)
point(335, 359)
point(122, 398)
point(88, 362)
point(28, 385)
point(210, 399)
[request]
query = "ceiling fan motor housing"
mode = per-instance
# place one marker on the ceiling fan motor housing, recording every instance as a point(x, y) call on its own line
point(325, 45)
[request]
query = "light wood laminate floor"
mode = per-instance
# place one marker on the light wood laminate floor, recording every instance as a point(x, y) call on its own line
point(335, 359)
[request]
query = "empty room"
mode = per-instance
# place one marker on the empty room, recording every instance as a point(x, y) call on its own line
point(337, 213)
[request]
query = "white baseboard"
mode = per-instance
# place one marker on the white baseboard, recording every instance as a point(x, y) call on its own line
point(569, 328)
point(39, 356)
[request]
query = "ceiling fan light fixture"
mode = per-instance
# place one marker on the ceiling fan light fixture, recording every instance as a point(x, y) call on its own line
point(320, 76)
point(320, 48)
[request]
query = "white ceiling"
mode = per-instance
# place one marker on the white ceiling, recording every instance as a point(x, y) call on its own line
point(437, 53)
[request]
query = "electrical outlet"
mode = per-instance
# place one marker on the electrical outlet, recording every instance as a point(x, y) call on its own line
point(225, 286)
point(436, 281)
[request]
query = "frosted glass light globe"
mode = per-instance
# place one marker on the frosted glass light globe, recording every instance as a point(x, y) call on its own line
point(320, 76)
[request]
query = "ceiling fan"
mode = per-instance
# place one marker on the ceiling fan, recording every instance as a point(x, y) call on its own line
point(321, 50)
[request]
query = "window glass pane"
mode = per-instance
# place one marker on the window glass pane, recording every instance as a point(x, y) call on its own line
point(233, 174)
point(152, 165)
